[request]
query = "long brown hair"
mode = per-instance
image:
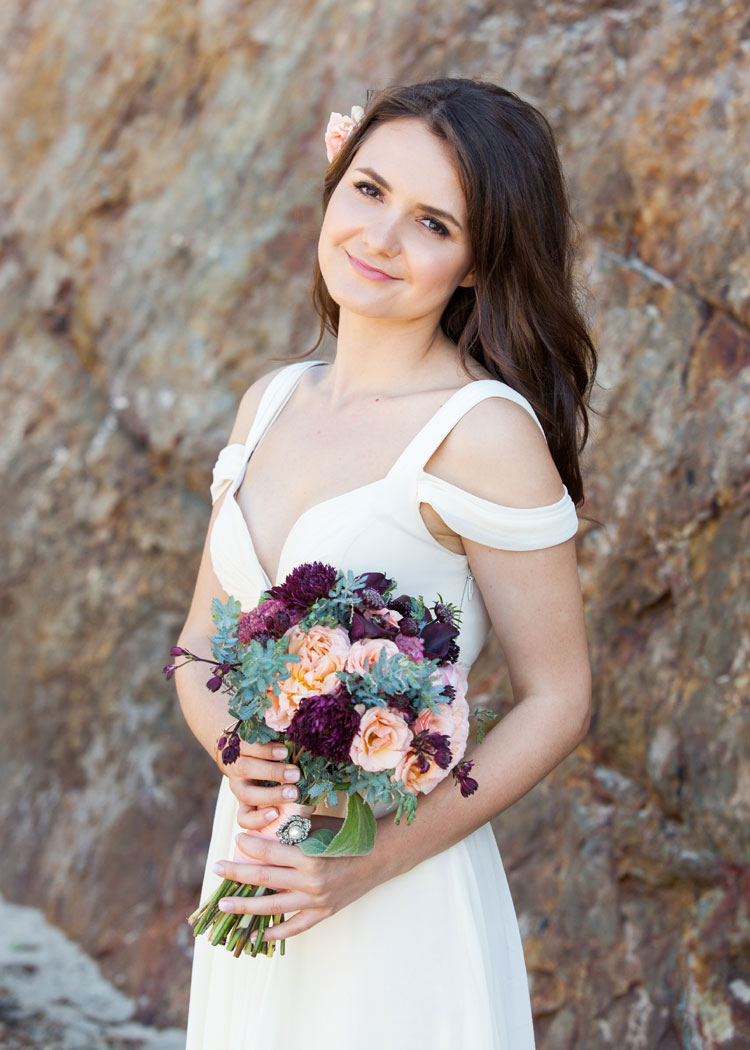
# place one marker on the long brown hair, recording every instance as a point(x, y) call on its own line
point(520, 320)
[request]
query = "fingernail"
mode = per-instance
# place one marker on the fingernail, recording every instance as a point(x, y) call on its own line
point(226, 906)
point(272, 814)
point(291, 774)
point(280, 752)
point(218, 869)
point(289, 792)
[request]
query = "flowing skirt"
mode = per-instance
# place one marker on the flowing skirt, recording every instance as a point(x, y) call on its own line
point(429, 958)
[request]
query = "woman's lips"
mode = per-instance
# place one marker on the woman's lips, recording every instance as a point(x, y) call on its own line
point(369, 271)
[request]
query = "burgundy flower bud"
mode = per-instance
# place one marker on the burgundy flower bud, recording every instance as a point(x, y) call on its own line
point(231, 751)
point(177, 651)
point(467, 784)
point(408, 626)
point(169, 670)
point(214, 683)
point(443, 613)
point(435, 746)
point(371, 598)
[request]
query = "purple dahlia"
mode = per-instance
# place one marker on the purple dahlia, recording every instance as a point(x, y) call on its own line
point(325, 725)
point(304, 585)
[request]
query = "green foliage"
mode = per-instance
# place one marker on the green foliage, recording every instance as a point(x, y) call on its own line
point(485, 721)
point(224, 640)
point(394, 674)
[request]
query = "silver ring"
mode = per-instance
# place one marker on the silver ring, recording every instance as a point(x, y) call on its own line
point(294, 829)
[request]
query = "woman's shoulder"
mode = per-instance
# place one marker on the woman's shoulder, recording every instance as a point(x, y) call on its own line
point(250, 403)
point(497, 451)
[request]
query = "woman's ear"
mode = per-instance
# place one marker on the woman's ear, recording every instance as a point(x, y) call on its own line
point(469, 280)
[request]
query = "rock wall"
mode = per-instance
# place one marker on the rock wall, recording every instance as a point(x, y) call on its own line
point(160, 167)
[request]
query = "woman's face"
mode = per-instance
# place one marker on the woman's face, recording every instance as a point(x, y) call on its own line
point(395, 241)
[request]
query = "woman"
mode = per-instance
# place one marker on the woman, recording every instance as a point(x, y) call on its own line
point(440, 447)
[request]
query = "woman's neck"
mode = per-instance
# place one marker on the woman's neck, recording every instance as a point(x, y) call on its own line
point(385, 358)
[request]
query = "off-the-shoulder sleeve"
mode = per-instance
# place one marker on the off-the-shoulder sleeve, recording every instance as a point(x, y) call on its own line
point(507, 528)
point(230, 461)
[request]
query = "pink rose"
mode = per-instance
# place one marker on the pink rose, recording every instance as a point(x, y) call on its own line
point(339, 129)
point(363, 654)
point(454, 675)
point(382, 740)
point(414, 781)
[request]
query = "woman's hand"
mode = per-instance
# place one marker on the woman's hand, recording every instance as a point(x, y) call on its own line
point(258, 763)
point(313, 887)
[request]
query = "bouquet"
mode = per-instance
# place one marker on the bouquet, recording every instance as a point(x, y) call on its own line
point(364, 688)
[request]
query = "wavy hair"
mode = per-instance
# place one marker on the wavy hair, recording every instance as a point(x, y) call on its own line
point(521, 319)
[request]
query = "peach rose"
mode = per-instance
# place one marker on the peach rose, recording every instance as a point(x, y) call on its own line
point(363, 655)
point(414, 781)
point(382, 740)
point(440, 721)
point(322, 652)
point(284, 705)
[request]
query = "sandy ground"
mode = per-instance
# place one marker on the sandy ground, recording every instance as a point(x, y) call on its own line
point(53, 996)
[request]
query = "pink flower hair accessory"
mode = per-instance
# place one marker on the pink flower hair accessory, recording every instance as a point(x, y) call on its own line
point(339, 129)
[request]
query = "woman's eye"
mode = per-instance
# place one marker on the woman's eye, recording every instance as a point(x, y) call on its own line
point(365, 189)
point(435, 226)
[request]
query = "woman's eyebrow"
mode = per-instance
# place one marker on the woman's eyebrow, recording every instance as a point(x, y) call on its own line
point(424, 207)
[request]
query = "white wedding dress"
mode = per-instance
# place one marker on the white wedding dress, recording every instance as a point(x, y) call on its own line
point(434, 957)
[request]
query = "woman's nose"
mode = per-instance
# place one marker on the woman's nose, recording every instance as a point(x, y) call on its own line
point(382, 236)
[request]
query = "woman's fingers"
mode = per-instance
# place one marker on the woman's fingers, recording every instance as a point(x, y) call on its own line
point(251, 794)
point(262, 875)
point(252, 818)
point(271, 751)
point(305, 919)
point(269, 904)
point(249, 768)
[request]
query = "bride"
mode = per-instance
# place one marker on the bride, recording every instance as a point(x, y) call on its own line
point(440, 447)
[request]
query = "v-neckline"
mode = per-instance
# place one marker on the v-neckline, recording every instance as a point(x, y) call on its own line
point(322, 503)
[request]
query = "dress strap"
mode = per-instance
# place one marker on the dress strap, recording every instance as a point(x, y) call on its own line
point(421, 448)
point(233, 457)
point(275, 396)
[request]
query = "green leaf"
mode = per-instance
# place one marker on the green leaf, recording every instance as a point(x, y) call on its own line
point(315, 845)
point(355, 837)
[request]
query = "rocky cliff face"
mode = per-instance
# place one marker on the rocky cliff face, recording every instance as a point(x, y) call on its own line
point(159, 176)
